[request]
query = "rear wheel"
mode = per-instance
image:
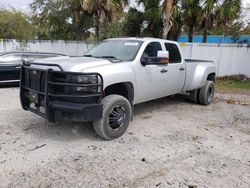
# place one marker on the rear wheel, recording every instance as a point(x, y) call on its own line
point(117, 113)
point(193, 97)
point(206, 94)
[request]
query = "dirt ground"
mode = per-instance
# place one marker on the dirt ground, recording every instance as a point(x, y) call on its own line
point(170, 143)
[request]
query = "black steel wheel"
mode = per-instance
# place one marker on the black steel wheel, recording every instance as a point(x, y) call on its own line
point(206, 94)
point(117, 114)
point(117, 117)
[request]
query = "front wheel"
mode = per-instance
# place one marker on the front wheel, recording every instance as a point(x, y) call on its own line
point(117, 114)
point(206, 94)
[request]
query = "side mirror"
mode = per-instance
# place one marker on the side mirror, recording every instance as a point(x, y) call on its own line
point(163, 54)
point(161, 59)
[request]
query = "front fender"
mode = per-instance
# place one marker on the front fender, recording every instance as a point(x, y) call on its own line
point(116, 73)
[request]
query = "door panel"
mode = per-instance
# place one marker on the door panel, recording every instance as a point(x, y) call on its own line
point(176, 69)
point(151, 79)
point(151, 82)
point(176, 78)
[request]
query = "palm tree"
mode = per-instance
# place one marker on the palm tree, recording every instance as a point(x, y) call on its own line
point(153, 16)
point(228, 12)
point(167, 17)
point(76, 9)
point(217, 12)
point(208, 16)
point(102, 9)
point(191, 14)
point(177, 21)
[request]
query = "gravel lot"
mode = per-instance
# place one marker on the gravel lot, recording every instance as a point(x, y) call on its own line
point(170, 143)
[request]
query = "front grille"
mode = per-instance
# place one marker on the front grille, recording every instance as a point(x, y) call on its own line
point(49, 86)
point(35, 79)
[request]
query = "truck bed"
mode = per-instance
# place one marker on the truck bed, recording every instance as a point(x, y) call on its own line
point(195, 70)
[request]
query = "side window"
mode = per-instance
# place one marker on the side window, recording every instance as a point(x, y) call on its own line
point(174, 53)
point(152, 49)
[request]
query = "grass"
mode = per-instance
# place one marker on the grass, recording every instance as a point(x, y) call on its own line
point(233, 85)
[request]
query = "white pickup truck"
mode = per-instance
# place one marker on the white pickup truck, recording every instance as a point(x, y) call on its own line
point(116, 74)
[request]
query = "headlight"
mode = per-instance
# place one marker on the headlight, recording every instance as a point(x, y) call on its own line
point(85, 79)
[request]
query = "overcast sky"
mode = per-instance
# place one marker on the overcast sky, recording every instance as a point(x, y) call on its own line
point(24, 4)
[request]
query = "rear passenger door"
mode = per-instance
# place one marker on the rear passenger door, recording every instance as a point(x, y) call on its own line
point(176, 69)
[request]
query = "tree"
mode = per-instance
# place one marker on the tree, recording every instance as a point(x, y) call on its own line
point(220, 13)
point(177, 21)
point(61, 19)
point(103, 9)
point(113, 29)
point(167, 17)
point(191, 13)
point(133, 23)
point(144, 23)
point(15, 25)
point(246, 30)
point(152, 16)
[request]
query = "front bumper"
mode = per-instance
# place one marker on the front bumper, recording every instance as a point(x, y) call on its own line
point(48, 93)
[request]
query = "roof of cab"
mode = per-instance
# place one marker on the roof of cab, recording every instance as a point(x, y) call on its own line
point(31, 53)
point(146, 39)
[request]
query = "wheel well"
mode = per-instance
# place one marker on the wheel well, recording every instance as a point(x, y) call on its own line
point(125, 89)
point(211, 77)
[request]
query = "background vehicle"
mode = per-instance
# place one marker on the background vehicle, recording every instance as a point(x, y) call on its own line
point(104, 85)
point(10, 63)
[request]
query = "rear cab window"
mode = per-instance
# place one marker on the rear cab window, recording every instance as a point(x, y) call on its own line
point(174, 53)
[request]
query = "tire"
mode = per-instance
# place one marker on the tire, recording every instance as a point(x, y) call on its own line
point(206, 94)
point(193, 97)
point(117, 113)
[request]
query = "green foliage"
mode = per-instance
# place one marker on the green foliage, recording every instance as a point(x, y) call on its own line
point(233, 84)
point(191, 14)
point(147, 23)
point(177, 21)
point(246, 30)
point(216, 13)
point(112, 30)
point(15, 25)
point(103, 10)
point(74, 19)
point(133, 23)
point(61, 19)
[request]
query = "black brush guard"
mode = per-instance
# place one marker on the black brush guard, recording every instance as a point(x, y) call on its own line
point(54, 96)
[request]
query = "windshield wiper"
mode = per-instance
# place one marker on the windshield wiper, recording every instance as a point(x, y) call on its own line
point(107, 56)
point(104, 57)
point(87, 55)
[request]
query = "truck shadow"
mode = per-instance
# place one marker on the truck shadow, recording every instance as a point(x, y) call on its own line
point(84, 131)
point(169, 103)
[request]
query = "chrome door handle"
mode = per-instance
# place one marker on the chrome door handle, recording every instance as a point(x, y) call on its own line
point(182, 69)
point(164, 71)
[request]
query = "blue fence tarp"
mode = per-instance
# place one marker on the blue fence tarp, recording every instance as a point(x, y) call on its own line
point(217, 39)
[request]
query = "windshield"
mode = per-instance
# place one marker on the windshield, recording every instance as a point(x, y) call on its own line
point(124, 50)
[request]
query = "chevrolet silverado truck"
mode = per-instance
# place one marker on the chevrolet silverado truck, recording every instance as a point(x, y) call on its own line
point(103, 86)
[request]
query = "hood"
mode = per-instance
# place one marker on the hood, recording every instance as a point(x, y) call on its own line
point(74, 64)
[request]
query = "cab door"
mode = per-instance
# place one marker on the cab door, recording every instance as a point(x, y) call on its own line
point(176, 69)
point(152, 80)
